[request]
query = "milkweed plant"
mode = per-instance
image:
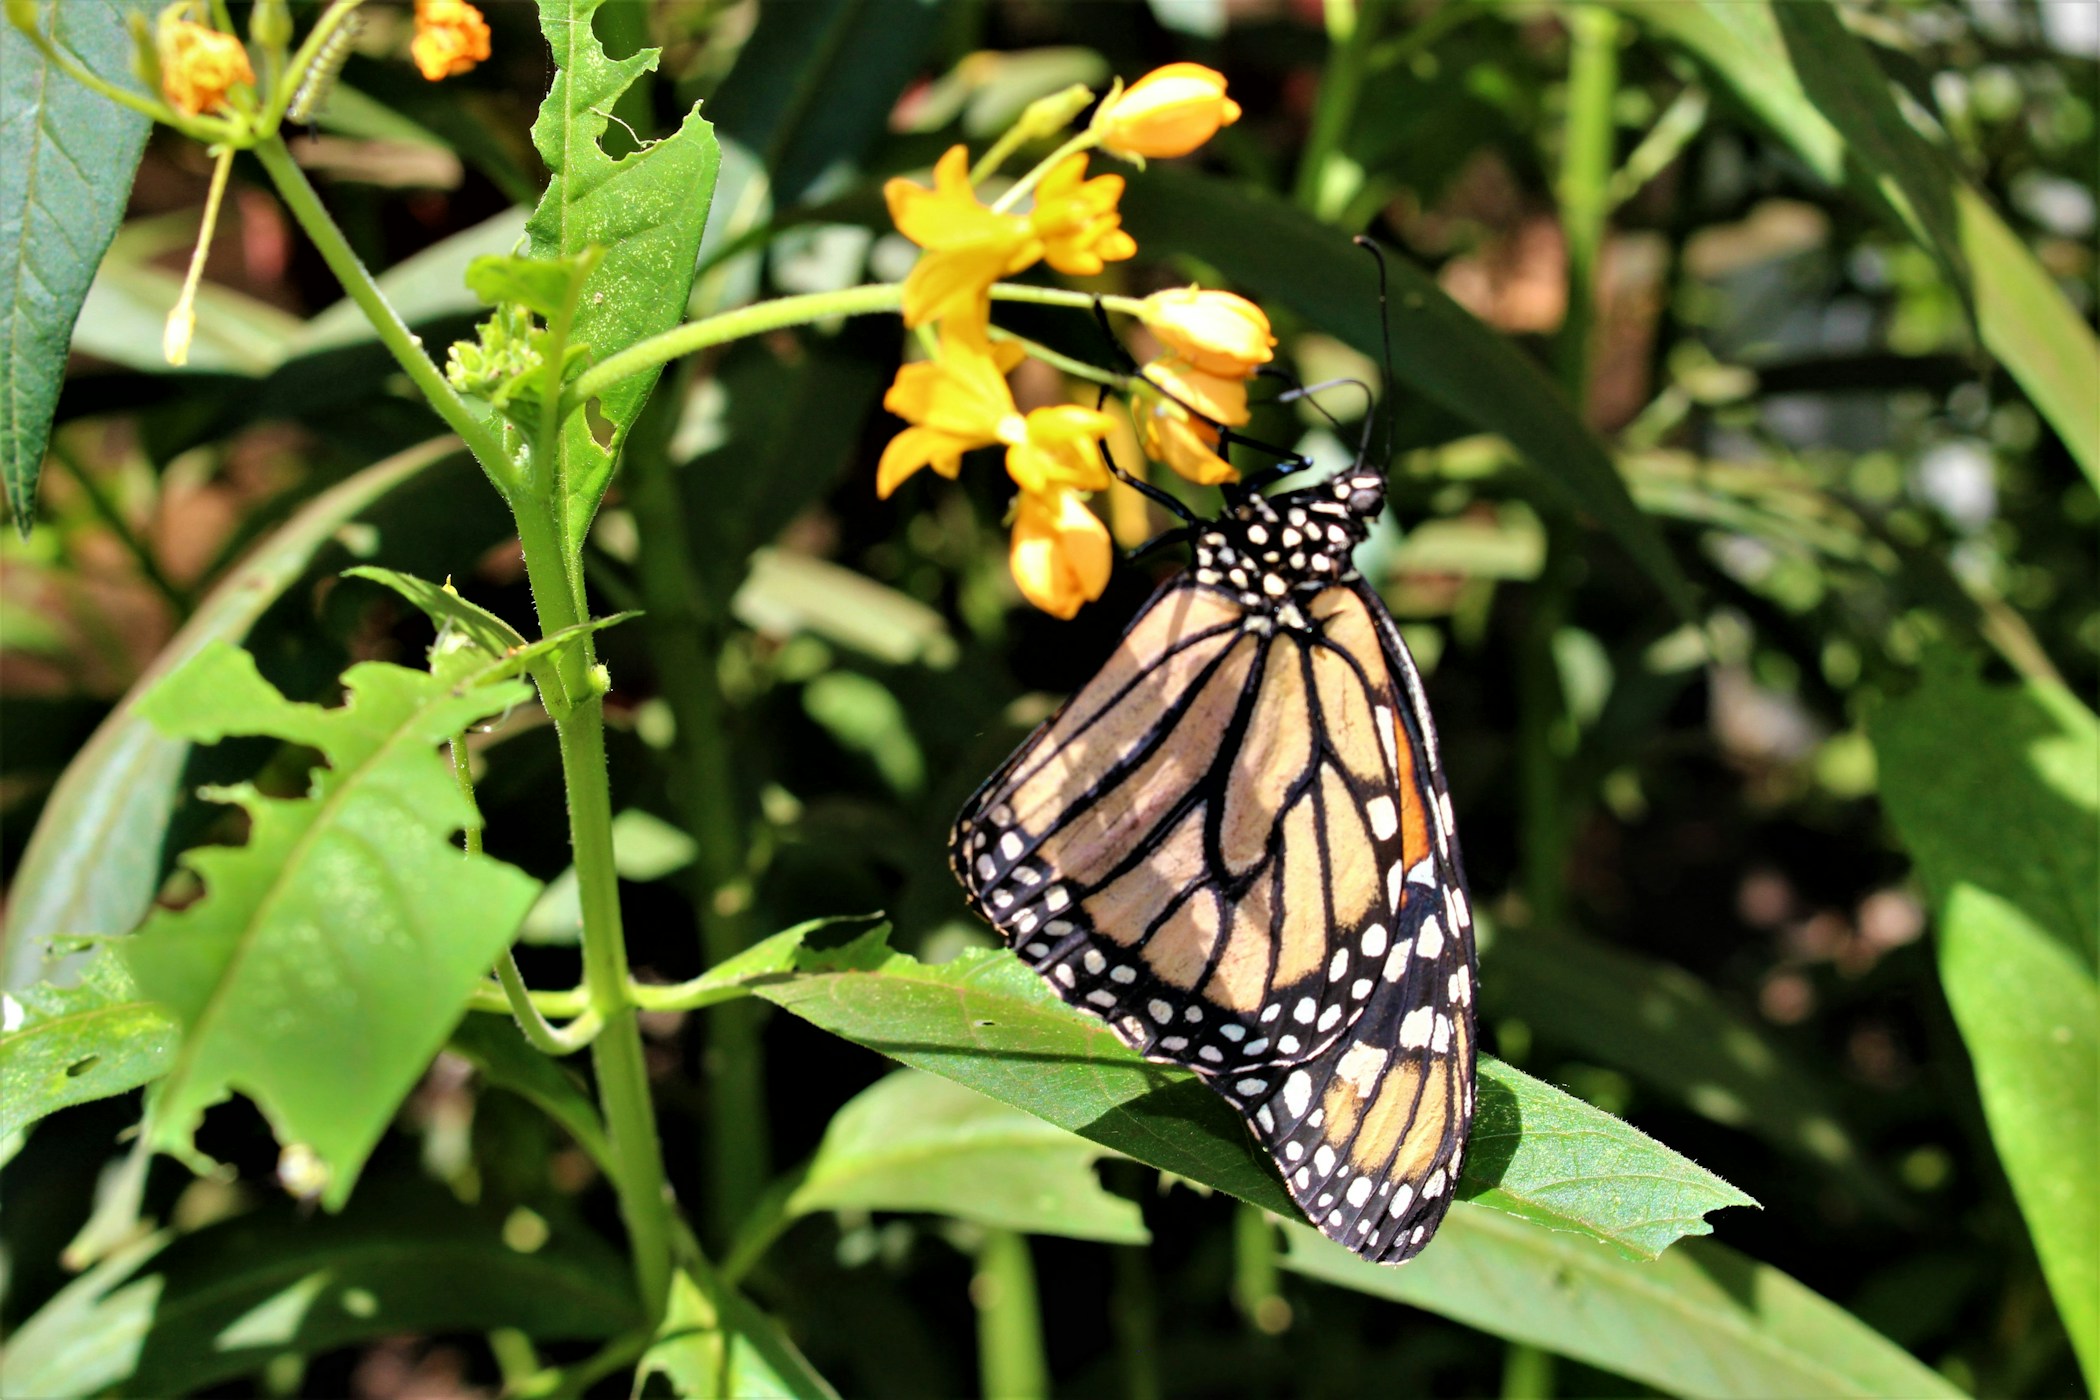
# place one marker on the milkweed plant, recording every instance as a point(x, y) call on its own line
point(360, 925)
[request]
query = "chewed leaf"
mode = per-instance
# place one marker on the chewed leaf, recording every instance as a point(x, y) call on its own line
point(65, 1045)
point(330, 955)
point(987, 1022)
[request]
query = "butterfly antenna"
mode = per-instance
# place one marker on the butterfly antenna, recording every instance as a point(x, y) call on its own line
point(1385, 333)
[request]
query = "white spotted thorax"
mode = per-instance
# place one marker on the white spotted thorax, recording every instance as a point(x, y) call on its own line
point(1270, 553)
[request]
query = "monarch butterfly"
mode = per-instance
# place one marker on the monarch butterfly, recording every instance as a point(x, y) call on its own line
point(1235, 845)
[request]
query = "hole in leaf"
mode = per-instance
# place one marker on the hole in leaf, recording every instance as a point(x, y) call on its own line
point(80, 1067)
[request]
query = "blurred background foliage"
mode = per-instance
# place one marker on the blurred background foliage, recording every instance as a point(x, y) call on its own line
point(1696, 911)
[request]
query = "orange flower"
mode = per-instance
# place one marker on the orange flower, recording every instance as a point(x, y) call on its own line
point(1216, 397)
point(199, 66)
point(968, 247)
point(1216, 332)
point(1173, 435)
point(1062, 554)
point(451, 37)
point(1077, 221)
point(1168, 112)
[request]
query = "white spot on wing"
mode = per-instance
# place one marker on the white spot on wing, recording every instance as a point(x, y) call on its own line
point(1297, 1092)
point(1373, 942)
point(1385, 820)
point(1415, 1028)
point(1430, 941)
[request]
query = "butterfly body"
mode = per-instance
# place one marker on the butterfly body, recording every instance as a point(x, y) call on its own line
point(1234, 845)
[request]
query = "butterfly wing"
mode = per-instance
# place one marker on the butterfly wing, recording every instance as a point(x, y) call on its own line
point(1197, 847)
point(1233, 845)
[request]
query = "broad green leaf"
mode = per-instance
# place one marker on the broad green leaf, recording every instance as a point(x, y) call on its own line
point(713, 1343)
point(495, 1046)
point(646, 211)
point(65, 1045)
point(988, 1023)
point(1995, 791)
point(329, 956)
point(1440, 350)
point(2024, 321)
point(169, 1317)
point(1667, 1029)
point(913, 1142)
point(93, 863)
point(1703, 1320)
point(63, 186)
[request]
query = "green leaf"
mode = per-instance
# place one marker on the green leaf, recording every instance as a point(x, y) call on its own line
point(646, 210)
point(1440, 350)
point(330, 956)
point(787, 593)
point(423, 287)
point(988, 1023)
point(1995, 791)
point(912, 1142)
point(63, 186)
point(65, 1045)
point(714, 1343)
point(1754, 47)
point(172, 1317)
point(1702, 1320)
point(93, 864)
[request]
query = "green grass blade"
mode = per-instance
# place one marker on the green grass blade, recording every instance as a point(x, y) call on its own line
point(1996, 793)
point(1440, 350)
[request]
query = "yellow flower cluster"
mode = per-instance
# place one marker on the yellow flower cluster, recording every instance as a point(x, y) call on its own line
point(958, 399)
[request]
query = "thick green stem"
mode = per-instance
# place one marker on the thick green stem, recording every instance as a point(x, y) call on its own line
point(394, 334)
point(616, 1055)
point(1009, 1322)
point(1585, 182)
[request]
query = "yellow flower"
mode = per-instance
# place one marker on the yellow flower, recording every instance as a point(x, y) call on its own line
point(956, 401)
point(1216, 397)
point(1173, 435)
point(199, 66)
point(1168, 112)
point(1216, 332)
point(1058, 448)
point(968, 247)
point(1062, 554)
point(1077, 221)
point(451, 37)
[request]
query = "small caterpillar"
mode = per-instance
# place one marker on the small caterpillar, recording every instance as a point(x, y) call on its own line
point(312, 93)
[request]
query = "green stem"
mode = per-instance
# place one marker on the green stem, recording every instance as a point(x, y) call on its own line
point(1350, 31)
point(1081, 141)
point(1585, 180)
point(1010, 1356)
point(783, 312)
point(406, 347)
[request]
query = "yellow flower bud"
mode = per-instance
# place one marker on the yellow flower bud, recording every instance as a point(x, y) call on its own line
point(1168, 112)
point(1216, 397)
point(1216, 332)
point(199, 66)
point(451, 37)
point(1062, 554)
point(1173, 435)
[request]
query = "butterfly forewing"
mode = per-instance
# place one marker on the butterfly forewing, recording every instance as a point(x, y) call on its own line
point(1234, 845)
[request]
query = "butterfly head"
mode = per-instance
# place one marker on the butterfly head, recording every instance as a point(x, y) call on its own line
point(1266, 549)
